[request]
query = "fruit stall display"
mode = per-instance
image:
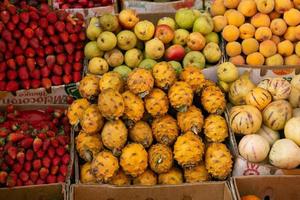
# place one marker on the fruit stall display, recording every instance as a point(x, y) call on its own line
point(264, 117)
point(39, 47)
point(150, 122)
point(260, 32)
point(34, 146)
point(67, 4)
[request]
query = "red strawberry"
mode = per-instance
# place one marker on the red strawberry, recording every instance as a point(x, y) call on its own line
point(33, 25)
point(39, 33)
point(21, 157)
point(76, 77)
point(54, 39)
point(50, 30)
point(24, 17)
point(27, 166)
point(23, 42)
point(51, 179)
point(78, 56)
point(6, 35)
point(12, 86)
point(63, 169)
point(40, 181)
point(3, 177)
point(11, 9)
point(19, 182)
point(51, 17)
point(37, 144)
point(15, 19)
point(11, 63)
point(69, 47)
point(46, 162)
point(10, 26)
point(43, 23)
point(35, 74)
point(2, 46)
point(34, 176)
point(34, 16)
point(61, 179)
point(60, 151)
point(2, 76)
point(70, 28)
point(64, 37)
point(43, 172)
point(5, 16)
point(20, 60)
point(59, 48)
point(61, 59)
point(12, 45)
point(46, 144)
point(24, 176)
point(1, 26)
point(67, 79)
point(22, 26)
point(40, 154)
point(25, 84)
point(44, 9)
point(50, 60)
point(46, 83)
point(28, 32)
point(66, 159)
point(12, 152)
point(26, 143)
point(28, 182)
point(14, 137)
point(12, 75)
point(8, 55)
point(4, 132)
point(29, 52)
point(67, 68)
point(36, 164)
point(54, 142)
point(3, 66)
point(45, 41)
point(18, 51)
point(49, 50)
point(35, 83)
point(42, 136)
point(30, 64)
point(51, 152)
point(73, 37)
point(56, 80)
point(60, 26)
point(40, 61)
point(56, 161)
point(81, 35)
point(17, 34)
point(34, 43)
point(8, 160)
point(50, 133)
point(17, 167)
point(29, 155)
point(45, 72)
point(54, 170)
point(70, 58)
point(57, 70)
point(11, 181)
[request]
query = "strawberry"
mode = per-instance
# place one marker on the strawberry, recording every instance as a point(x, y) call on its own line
point(59, 48)
point(34, 43)
point(64, 37)
point(5, 16)
point(50, 133)
point(17, 167)
point(81, 35)
point(12, 86)
point(3, 177)
point(11, 181)
point(27, 166)
point(45, 41)
point(54, 39)
point(29, 155)
point(10, 26)
point(50, 60)
point(62, 15)
point(61, 179)
point(65, 159)
point(28, 182)
point(34, 16)
point(56, 80)
point(60, 26)
point(30, 62)
point(35, 74)
point(44, 9)
point(8, 55)
point(2, 76)
point(40, 154)
point(42, 136)
point(45, 72)
point(6, 35)
point(34, 176)
point(70, 28)
point(4, 132)
point(51, 17)
point(24, 17)
point(36, 164)
point(60, 151)
point(11, 45)
point(8, 160)
point(70, 58)
point(4, 166)
point(61, 59)
point(12, 75)
point(69, 47)
point(46, 162)
point(37, 144)
point(11, 9)
point(24, 176)
point(78, 56)
point(43, 173)
point(76, 77)
point(2, 85)
point(25, 84)
point(26, 143)
point(63, 169)
point(40, 181)
point(3, 66)
point(15, 126)
point(46, 83)
point(29, 52)
point(43, 23)
point(51, 152)
point(51, 30)
point(39, 33)
point(22, 26)
point(73, 38)
point(17, 34)
point(54, 142)
point(46, 144)
point(67, 79)
point(28, 32)
point(12, 152)
point(40, 61)
point(49, 50)
point(33, 25)
point(56, 161)
point(11, 63)
point(54, 170)
point(20, 60)
point(2, 46)
point(35, 83)
point(51, 179)
point(67, 68)
point(19, 182)
point(15, 137)
point(21, 157)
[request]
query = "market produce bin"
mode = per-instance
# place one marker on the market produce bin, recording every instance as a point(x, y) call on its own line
point(267, 187)
point(203, 191)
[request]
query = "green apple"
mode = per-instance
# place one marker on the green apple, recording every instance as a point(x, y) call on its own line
point(212, 52)
point(204, 24)
point(181, 36)
point(147, 63)
point(212, 37)
point(123, 70)
point(194, 58)
point(91, 50)
point(185, 18)
point(106, 41)
point(133, 57)
point(167, 21)
point(176, 65)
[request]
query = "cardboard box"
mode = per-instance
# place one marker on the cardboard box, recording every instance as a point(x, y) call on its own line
point(268, 187)
point(41, 96)
point(203, 191)
point(158, 7)
point(55, 191)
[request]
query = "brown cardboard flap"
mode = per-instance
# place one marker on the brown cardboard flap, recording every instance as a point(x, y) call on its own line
point(35, 192)
point(203, 191)
point(274, 187)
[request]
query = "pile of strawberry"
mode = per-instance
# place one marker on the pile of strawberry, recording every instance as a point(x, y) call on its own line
point(30, 2)
point(39, 47)
point(66, 4)
point(34, 147)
